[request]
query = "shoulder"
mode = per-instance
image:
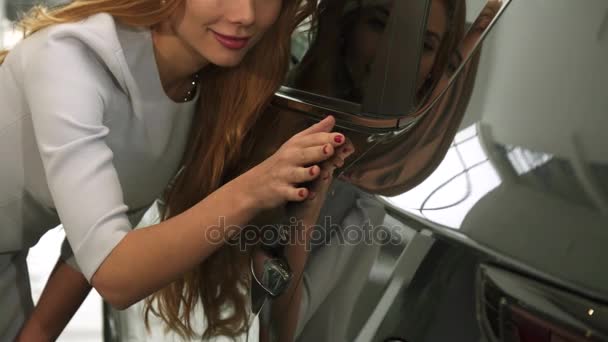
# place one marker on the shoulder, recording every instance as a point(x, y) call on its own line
point(90, 45)
point(90, 48)
point(97, 33)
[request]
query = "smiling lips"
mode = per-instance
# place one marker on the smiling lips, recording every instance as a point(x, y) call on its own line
point(231, 42)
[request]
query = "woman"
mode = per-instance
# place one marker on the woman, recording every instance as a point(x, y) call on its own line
point(102, 103)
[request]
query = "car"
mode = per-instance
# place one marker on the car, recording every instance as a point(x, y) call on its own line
point(494, 186)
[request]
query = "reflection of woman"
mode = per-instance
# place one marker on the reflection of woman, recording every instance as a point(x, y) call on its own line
point(97, 105)
point(342, 70)
point(400, 165)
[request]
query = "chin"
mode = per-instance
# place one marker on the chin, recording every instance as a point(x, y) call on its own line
point(227, 60)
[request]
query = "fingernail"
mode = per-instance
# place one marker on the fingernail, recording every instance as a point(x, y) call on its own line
point(338, 139)
point(301, 193)
point(325, 151)
point(345, 150)
point(312, 171)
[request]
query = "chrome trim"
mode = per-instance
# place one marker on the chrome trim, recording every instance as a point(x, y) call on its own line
point(317, 107)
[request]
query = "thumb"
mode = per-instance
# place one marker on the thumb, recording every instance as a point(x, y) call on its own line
point(325, 125)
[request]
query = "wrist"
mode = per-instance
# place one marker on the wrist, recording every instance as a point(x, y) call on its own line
point(242, 196)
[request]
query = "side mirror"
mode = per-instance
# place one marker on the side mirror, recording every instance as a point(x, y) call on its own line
point(397, 75)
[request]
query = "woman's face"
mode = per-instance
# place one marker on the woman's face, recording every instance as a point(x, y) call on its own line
point(362, 42)
point(222, 31)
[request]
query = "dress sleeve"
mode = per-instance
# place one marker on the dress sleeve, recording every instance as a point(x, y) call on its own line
point(67, 255)
point(63, 85)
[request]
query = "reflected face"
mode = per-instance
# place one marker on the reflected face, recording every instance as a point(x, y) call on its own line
point(222, 31)
point(362, 41)
point(384, 174)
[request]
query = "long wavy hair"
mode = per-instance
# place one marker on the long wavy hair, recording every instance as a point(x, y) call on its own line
point(220, 135)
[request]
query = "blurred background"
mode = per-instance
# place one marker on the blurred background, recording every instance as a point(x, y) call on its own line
point(86, 326)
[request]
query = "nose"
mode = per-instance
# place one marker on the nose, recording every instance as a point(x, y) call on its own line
point(241, 12)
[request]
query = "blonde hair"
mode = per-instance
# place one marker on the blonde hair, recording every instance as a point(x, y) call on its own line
point(228, 110)
point(143, 13)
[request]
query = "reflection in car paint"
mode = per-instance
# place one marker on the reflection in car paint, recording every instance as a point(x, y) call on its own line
point(449, 192)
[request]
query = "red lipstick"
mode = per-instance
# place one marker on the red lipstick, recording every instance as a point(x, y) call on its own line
point(231, 42)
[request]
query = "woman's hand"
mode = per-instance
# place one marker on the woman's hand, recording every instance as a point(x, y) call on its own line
point(308, 211)
point(279, 179)
point(286, 308)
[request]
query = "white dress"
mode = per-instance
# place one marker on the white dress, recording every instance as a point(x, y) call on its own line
point(88, 139)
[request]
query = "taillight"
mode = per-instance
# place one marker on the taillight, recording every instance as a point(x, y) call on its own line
point(514, 308)
point(523, 326)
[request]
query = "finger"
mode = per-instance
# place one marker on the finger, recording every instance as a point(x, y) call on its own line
point(304, 174)
point(296, 194)
point(337, 161)
point(325, 125)
point(328, 168)
point(346, 150)
point(311, 155)
point(335, 139)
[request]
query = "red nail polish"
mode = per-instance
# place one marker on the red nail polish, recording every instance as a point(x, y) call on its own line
point(346, 149)
point(338, 139)
point(301, 193)
point(312, 171)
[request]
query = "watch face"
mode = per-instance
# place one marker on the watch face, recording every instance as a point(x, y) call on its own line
point(276, 276)
point(270, 273)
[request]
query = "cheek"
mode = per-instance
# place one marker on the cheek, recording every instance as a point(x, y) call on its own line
point(267, 12)
point(201, 11)
point(369, 45)
point(363, 44)
point(426, 65)
point(191, 15)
